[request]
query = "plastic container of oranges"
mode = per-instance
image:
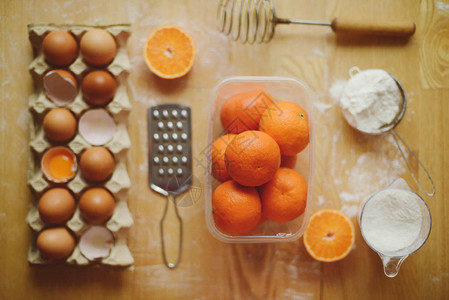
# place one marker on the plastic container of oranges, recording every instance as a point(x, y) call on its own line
point(282, 89)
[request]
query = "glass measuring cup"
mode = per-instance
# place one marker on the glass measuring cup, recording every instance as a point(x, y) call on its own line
point(392, 260)
point(390, 128)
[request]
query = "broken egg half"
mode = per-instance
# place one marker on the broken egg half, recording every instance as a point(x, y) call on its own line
point(96, 243)
point(60, 86)
point(59, 164)
point(97, 126)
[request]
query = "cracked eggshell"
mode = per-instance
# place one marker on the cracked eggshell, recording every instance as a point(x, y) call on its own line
point(97, 126)
point(60, 86)
point(96, 243)
point(59, 164)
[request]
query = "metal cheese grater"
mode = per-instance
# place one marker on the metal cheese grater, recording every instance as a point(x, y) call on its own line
point(170, 157)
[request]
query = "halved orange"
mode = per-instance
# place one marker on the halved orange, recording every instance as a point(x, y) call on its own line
point(330, 235)
point(169, 52)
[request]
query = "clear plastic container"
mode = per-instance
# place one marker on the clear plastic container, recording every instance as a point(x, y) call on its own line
point(282, 89)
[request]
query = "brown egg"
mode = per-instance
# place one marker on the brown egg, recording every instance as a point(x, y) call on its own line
point(59, 125)
point(97, 164)
point(96, 205)
point(56, 206)
point(98, 47)
point(55, 243)
point(98, 87)
point(60, 48)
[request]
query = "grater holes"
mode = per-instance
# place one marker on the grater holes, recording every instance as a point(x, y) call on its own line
point(170, 171)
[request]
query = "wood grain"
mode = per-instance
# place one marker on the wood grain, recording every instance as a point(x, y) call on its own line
point(348, 165)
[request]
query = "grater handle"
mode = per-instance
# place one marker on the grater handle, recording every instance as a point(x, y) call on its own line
point(161, 225)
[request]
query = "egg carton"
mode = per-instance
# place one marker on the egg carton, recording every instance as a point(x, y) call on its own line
point(120, 255)
point(119, 108)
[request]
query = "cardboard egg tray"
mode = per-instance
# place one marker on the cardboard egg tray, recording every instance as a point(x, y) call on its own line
point(119, 108)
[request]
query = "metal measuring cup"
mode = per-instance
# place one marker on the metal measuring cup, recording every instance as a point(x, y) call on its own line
point(390, 128)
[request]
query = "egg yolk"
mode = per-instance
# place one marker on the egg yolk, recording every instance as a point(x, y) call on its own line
point(61, 165)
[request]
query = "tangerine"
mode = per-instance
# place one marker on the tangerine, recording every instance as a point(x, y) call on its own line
point(242, 111)
point(288, 124)
point(252, 158)
point(236, 209)
point(284, 197)
point(218, 163)
point(330, 235)
point(288, 161)
point(169, 52)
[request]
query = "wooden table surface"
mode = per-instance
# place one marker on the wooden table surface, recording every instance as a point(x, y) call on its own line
point(348, 166)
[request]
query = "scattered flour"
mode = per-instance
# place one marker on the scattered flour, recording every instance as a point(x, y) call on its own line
point(322, 107)
point(442, 6)
point(391, 220)
point(370, 100)
point(337, 89)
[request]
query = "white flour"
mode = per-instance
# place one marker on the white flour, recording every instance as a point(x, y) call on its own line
point(391, 220)
point(370, 100)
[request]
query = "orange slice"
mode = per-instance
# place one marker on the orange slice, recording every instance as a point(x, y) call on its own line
point(329, 236)
point(169, 52)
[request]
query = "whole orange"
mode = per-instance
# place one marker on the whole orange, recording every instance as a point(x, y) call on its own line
point(218, 151)
point(236, 209)
point(288, 124)
point(288, 161)
point(252, 158)
point(242, 111)
point(284, 197)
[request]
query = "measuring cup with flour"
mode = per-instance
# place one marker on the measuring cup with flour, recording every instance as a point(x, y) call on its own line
point(373, 101)
point(395, 222)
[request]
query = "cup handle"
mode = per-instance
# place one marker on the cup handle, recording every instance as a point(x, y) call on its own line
point(398, 139)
